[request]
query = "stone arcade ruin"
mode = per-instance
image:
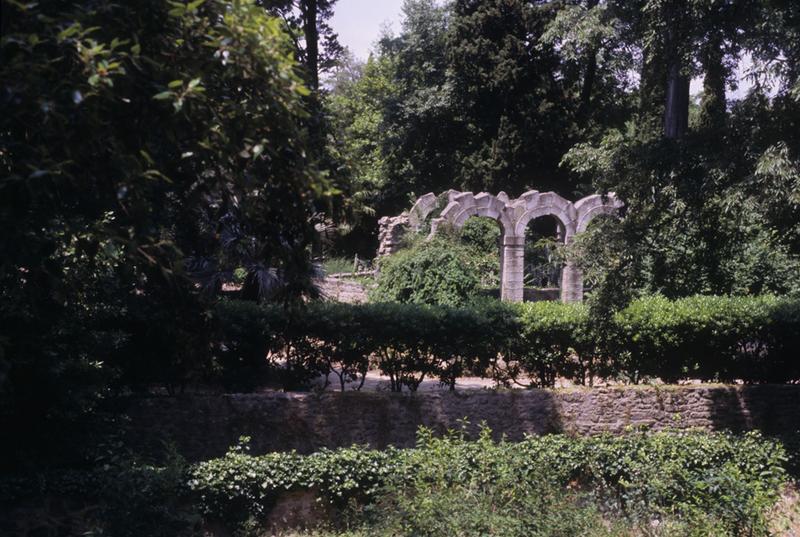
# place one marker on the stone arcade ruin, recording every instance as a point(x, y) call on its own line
point(513, 217)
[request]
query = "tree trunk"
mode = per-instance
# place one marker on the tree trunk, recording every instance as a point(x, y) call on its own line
point(588, 81)
point(590, 73)
point(676, 109)
point(676, 105)
point(713, 107)
point(311, 34)
point(652, 91)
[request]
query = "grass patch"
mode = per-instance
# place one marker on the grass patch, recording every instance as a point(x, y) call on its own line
point(337, 265)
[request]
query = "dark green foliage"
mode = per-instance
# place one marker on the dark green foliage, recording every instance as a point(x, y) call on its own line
point(714, 483)
point(558, 342)
point(711, 338)
point(239, 486)
point(456, 267)
point(513, 111)
point(118, 495)
point(706, 338)
point(511, 95)
point(146, 153)
point(141, 499)
point(419, 125)
point(403, 341)
point(482, 233)
point(534, 487)
point(702, 337)
point(339, 338)
point(356, 105)
point(702, 209)
point(247, 333)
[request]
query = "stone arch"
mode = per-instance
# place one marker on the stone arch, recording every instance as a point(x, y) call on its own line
point(591, 206)
point(513, 217)
point(421, 209)
point(466, 204)
point(528, 207)
point(533, 204)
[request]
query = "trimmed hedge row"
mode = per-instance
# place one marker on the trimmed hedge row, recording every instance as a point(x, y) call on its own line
point(753, 339)
point(406, 342)
point(642, 476)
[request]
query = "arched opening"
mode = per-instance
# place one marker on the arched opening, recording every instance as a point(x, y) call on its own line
point(597, 244)
point(485, 236)
point(543, 263)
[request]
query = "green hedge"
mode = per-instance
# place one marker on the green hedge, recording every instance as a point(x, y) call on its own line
point(556, 341)
point(731, 481)
point(753, 339)
point(406, 342)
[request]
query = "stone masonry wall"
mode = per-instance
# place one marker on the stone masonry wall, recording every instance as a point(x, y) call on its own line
point(205, 426)
point(340, 289)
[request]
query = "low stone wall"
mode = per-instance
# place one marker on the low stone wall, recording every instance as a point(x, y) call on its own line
point(205, 426)
point(341, 289)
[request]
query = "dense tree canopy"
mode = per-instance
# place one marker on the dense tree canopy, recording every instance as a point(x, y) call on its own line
point(583, 96)
point(148, 153)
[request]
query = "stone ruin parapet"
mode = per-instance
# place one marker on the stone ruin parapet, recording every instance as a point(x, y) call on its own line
point(513, 216)
point(391, 231)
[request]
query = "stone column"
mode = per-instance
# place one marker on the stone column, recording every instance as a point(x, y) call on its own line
point(571, 283)
point(502, 248)
point(513, 257)
point(571, 278)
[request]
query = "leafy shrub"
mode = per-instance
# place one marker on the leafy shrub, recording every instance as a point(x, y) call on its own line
point(691, 482)
point(478, 487)
point(239, 487)
point(257, 345)
point(140, 114)
point(481, 233)
point(339, 338)
point(140, 499)
point(119, 496)
point(429, 272)
point(246, 332)
point(782, 338)
point(409, 342)
point(402, 341)
point(406, 342)
point(731, 479)
point(548, 485)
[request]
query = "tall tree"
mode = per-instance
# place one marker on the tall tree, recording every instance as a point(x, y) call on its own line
point(699, 217)
point(356, 102)
point(594, 41)
point(676, 39)
point(316, 44)
point(421, 127)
